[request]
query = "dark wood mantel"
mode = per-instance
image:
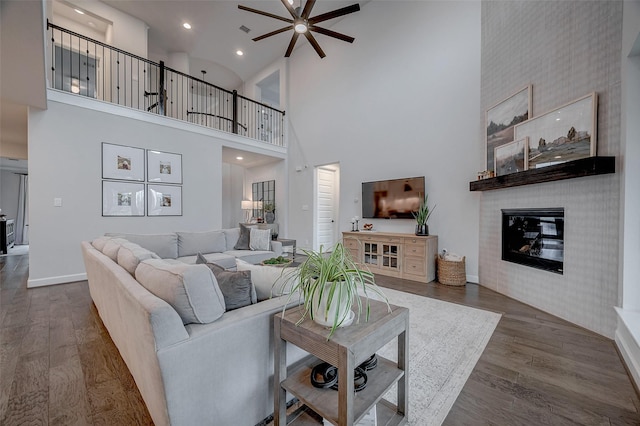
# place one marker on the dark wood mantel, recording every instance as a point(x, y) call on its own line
point(590, 166)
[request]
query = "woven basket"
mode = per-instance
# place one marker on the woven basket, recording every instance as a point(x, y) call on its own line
point(451, 272)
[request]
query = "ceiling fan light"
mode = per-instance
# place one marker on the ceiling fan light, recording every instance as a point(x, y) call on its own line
point(300, 27)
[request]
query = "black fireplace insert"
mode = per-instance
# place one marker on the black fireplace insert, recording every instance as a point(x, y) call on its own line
point(534, 237)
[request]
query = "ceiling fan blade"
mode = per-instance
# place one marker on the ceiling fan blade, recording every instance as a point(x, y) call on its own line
point(333, 34)
point(260, 12)
point(314, 43)
point(334, 14)
point(290, 8)
point(307, 9)
point(281, 30)
point(292, 43)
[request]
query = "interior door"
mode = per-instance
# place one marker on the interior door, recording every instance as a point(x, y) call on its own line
point(326, 206)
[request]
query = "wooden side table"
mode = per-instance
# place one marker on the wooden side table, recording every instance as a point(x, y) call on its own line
point(347, 348)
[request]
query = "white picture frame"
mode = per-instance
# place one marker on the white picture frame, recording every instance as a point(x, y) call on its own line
point(122, 198)
point(164, 200)
point(164, 167)
point(568, 132)
point(121, 162)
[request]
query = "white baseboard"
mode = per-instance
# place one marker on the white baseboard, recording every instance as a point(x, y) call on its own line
point(626, 338)
point(41, 282)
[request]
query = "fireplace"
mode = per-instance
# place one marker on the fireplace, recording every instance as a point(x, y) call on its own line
point(534, 237)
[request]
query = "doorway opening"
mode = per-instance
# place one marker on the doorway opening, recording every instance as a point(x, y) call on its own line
point(326, 206)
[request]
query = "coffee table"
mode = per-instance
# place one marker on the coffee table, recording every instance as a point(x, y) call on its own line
point(347, 348)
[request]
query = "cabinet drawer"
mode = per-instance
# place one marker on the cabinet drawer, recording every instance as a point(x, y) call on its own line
point(418, 248)
point(414, 266)
point(351, 243)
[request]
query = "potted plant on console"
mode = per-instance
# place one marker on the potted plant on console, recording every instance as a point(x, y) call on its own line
point(422, 216)
point(329, 284)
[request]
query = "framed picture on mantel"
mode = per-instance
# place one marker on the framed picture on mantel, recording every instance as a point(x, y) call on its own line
point(501, 119)
point(563, 134)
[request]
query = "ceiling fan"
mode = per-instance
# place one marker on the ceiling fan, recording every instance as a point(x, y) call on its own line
point(303, 24)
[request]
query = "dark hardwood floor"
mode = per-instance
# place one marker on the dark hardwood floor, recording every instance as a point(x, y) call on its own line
point(58, 365)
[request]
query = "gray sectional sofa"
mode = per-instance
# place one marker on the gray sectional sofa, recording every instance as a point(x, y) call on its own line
point(194, 362)
point(217, 246)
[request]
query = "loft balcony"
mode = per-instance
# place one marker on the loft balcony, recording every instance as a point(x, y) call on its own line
point(90, 68)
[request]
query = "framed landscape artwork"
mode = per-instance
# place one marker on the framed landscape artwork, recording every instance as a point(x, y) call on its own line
point(501, 119)
point(563, 134)
point(122, 198)
point(122, 162)
point(164, 200)
point(164, 167)
point(511, 157)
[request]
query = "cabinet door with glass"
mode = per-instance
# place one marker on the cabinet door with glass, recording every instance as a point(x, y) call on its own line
point(370, 252)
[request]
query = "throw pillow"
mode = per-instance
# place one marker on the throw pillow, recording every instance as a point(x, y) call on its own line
point(259, 239)
point(243, 240)
point(191, 290)
point(264, 278)
point(236, 287)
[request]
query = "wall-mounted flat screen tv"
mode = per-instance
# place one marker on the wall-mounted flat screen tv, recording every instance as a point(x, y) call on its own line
point(392, 199)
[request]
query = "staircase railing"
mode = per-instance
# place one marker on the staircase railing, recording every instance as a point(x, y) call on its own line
point(94, 69)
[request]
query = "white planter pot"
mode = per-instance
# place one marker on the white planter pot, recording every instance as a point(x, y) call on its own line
point(327, 318)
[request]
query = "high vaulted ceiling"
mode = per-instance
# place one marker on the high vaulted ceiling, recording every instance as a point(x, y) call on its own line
point(216, 35)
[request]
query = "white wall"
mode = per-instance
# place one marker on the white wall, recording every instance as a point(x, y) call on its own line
point(232, 193)
point(273, 171)
point(402, 101)
point(65, 162)
point(128, 33)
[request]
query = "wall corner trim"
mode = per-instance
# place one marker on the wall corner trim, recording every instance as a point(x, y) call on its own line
point(626, 339)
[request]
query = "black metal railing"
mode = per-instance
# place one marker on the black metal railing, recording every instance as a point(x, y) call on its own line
point(94, 69)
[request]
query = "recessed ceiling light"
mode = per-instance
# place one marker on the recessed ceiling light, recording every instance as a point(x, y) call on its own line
point(239, 158)
point(91, 24)
point(79, 11)
point(187, 25)
point(239, 52)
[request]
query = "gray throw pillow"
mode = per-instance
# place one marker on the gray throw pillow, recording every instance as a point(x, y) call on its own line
point(236, 287)
point(245, 237)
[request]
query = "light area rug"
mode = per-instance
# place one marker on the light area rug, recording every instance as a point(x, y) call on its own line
point(445, 343)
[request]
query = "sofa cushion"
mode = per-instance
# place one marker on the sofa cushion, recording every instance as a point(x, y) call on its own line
point(164, 245)
point(112, 247)
point(192, 243)
point(263, 278)
point(131, 254)
point(231, 235)
point(244, 238)
point(236, 286)
point(192, 290)
point(259, 239)
point(99, 243)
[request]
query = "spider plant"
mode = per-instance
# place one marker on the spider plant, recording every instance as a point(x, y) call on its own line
point(329, 282)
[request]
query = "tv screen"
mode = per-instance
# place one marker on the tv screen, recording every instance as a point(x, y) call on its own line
point(392, 199)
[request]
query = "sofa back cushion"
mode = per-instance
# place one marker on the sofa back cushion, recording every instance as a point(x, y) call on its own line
point(164, 245)
point(100, 242)
point(131, 254)
point(191, 290)
point(111, 248)
point(192, 243)
point(231, 235)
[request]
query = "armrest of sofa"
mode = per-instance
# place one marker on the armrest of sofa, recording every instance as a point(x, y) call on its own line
point(235, 351)
point(276, 247)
